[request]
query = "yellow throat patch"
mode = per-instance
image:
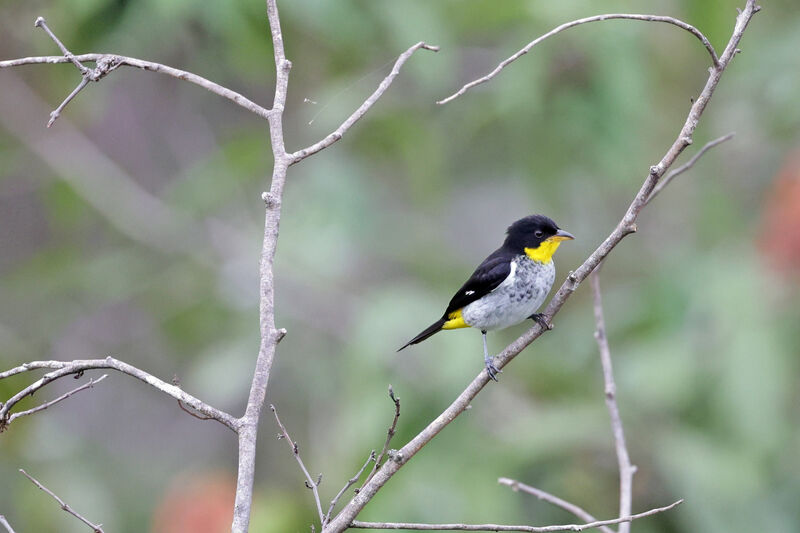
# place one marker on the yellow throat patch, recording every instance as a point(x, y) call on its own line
point(455, 321)
point(544, 252)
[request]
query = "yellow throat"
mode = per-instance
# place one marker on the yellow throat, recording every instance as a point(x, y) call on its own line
point(544, 252)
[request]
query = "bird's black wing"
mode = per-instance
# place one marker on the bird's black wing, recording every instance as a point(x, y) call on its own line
point(484, 280)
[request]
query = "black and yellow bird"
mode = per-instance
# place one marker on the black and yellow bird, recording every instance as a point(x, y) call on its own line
point(508, 286)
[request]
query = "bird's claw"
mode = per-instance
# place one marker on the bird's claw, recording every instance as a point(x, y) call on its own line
point(541, 320)
point(492, 370)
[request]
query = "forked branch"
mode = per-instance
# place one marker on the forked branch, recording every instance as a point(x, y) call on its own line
point(502, 527)
point(61, 369)
point(105, 63)
point(554, 500)
point(46, 405)
point(666, 180)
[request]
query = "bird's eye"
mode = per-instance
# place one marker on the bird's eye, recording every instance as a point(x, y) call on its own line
point(538, 233)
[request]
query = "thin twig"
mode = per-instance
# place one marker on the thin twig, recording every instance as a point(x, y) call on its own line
point(625, 226)
point(177, 383)
point(499, 527)
point(686, 166)
point(40, 23)
point(555, 500)
point(66, 368)
point(389, 435)
point(597, 18)
point(311, 483)
point(64, 396)
point(350, 482)
point(57, 111)
point(97, 528)
point(626, 469)
point(5, 524)
point(363, 108)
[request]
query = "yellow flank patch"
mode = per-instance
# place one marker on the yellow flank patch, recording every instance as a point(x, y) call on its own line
point(544, 252)
point(455, 321)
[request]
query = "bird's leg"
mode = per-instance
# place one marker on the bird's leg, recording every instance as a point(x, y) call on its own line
point(541, 320)
point(489, 360)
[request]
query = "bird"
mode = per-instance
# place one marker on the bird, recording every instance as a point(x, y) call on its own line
point(507, 287)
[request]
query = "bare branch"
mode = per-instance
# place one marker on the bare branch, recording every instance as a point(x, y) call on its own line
point(666, 180)
point(97, 528)
point(350, 482)
point(112, 61)
point(361, 111)
point(270, 335)
point(389, 435)
point(5, 524)
point(78, 366)
point(311, 483)
point(498, 527)
point(626, 469)
point(45, 405)
point(625, 227)
point(597, 18)
point(555, 500)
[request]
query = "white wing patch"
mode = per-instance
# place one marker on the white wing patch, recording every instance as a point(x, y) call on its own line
point(467, 293)
point(512, 276)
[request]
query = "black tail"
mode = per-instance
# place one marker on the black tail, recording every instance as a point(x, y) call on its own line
point(436, 327)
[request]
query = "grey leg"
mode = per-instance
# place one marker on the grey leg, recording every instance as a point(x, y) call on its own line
point(489, 360)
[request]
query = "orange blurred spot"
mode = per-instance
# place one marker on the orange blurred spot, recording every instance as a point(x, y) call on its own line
point(779, 238)
point(202, 503)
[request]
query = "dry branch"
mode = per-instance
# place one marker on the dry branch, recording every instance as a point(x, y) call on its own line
point(66, 368)
point(389, 435)
point(500, 527)
point(97, 528)
point(5, 524)
point(311, 483)
point(350, 482)
point(626, 469)
point(625, 227)
point(361, 111)
point(64, 396)
point(554, 500)
point(108, 62)
point(666, 180)
point(598, 18)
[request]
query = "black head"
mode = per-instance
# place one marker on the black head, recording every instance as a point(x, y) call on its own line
point(532, 231)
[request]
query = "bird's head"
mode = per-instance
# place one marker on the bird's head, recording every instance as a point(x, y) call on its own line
point(536, 236)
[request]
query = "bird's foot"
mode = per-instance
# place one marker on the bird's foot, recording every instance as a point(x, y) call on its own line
point(491, 369)
point(541, 320)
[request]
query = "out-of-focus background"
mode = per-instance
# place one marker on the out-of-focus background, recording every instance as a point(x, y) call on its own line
point(133, 226)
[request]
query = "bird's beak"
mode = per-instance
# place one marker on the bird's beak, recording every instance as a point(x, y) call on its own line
point(561, 235)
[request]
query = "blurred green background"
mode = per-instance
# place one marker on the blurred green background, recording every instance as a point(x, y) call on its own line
point(132, 228)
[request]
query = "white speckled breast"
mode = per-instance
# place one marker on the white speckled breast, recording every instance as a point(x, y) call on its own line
point(514, 300)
